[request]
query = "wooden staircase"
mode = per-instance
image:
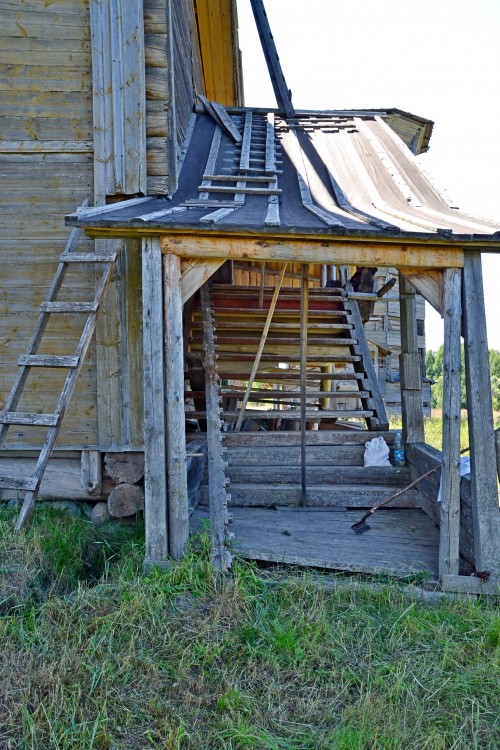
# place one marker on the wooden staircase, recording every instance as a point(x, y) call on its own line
point(36, 418)
point(264, 463)
point(339, 370)
point(264, 470)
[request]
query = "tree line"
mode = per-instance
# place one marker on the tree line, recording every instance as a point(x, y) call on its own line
point(434, 370)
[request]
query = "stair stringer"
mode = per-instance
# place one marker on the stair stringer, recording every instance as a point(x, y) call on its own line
point(218, 498)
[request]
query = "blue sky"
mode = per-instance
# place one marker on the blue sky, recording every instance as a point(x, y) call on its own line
point(438, 58)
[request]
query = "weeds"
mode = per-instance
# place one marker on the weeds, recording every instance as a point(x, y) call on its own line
point(97, 657)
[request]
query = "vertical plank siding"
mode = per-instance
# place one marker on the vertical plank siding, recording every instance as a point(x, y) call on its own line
point(46, 170)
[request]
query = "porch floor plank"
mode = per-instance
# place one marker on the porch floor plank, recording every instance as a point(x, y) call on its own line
point(400, 542)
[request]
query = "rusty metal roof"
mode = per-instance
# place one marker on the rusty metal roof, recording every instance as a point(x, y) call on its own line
point(318, 173)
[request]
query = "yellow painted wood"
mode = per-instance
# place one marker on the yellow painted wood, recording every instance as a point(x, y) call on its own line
point(215, 31)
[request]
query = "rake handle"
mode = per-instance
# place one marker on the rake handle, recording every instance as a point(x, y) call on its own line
point(405, 489)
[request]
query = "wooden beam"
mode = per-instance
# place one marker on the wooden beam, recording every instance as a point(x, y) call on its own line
point(178, 511)
point(411, 377)
point(485, 508)
point(450, 473)
point(471, 585)
point(304, 305)
point(430, 283)
point(155, 475)
point(314, 250)
point(194, 273)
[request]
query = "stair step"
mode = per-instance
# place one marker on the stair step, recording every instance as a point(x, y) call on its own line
point(35, 420)
point(257, 326)
point(25, 484)
point(277, 376)
point(225, 340)
point(47, 360)
point(331, 475)
point(311, 415)
point(318, 495)
point(278, 395)
point(69, 307)
point(322, 358)
point(87, 258)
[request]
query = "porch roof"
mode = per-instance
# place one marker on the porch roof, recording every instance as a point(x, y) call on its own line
point(335, 174)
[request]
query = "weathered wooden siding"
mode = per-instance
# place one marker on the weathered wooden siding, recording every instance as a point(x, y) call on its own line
point(46, 170)
point(173, 77)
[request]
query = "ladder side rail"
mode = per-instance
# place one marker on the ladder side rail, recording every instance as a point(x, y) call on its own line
point(64, 399)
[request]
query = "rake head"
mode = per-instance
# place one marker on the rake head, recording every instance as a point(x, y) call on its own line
point(361, 527)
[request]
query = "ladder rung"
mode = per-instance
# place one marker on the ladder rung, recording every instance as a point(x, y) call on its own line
point(18, 483)
point(47, 360)
point(35, 420)
point(87, 258)
point(69, 307)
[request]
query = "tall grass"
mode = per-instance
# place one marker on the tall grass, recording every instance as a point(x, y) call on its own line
point(187, 659)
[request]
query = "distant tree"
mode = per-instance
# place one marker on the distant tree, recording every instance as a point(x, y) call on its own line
point(434, 368)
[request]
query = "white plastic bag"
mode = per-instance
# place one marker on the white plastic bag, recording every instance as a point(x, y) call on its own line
point(464, 471)
point(377, 452)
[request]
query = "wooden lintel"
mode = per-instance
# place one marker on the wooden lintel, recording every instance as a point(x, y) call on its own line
point(194, 273)
point(304, 251)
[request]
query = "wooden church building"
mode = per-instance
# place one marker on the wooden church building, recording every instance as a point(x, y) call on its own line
point(202, 322)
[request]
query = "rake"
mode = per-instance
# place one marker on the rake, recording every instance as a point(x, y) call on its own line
point(361, 527)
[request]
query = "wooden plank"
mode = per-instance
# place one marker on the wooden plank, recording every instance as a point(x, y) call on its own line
point(17, 417)
point(313, 437)
point(46, 360)
point(318, 496)
point(481, 434)
point(411, 389)
point(155, 478)
point(304, 305)
point(178, 513)
point(338, 252)
point(450, 473)
point(194, 274)
point(355, 475)
point(221, 556)
point(470, 584)
point(260, 348)
point(119, 97)
point(401, 541)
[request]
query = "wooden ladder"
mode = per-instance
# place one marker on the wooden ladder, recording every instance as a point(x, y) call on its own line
point(30, 485)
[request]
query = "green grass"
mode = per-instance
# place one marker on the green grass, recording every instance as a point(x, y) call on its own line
point(433, 428)
point(96, 657)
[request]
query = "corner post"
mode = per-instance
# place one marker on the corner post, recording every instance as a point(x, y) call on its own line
point(178, 511)
point(485, 510)
point(450, 473)
point(410, 366)
point(155, 474)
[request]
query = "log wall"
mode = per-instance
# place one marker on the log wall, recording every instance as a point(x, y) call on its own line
point(46, 170)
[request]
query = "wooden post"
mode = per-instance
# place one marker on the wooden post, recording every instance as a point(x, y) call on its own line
point(486, 514)
point(178, 511)
point(155, 478)
point(410, 367)
point(304, 304)
point(450, 473)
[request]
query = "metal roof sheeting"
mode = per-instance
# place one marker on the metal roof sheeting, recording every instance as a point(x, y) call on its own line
point(318, 173)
